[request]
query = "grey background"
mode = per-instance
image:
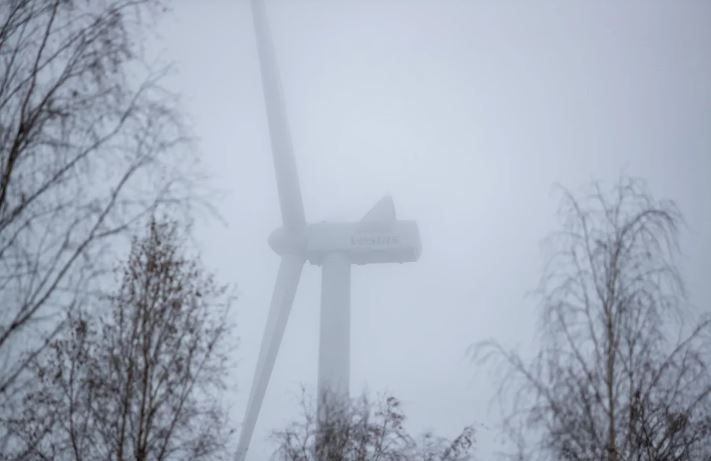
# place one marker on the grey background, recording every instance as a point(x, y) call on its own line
point(467, 112)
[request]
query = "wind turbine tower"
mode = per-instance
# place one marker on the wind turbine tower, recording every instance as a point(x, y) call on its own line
point(377, 238)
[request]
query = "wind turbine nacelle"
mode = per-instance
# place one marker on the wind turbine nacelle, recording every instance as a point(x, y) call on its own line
point(398, 242)
point(377, 238)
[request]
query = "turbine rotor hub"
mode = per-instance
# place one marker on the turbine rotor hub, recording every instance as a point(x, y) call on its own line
point(284, 241)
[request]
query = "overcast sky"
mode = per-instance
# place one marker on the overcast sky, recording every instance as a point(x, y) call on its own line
point(466, 112)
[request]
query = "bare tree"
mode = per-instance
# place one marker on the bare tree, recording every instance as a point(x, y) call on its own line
point(619, 376)
point(141, 381)
point(358, 430)
point(88, 145)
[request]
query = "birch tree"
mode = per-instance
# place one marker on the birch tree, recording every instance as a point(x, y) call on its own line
point(89, 145)
point(141, 381)
point(622, 372)
point(364, 430)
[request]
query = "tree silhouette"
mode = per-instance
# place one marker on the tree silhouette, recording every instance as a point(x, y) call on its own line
point(140, 377)
point(361, 430)
point(88, 147)
point(618, 375)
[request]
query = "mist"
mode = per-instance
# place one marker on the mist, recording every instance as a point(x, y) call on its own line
point(467, 113)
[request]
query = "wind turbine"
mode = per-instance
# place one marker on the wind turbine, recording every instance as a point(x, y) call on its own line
point(378, 238)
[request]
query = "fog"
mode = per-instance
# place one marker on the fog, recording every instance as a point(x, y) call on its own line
point(467, 113)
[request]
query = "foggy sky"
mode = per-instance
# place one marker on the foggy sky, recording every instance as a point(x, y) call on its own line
point(467, 113)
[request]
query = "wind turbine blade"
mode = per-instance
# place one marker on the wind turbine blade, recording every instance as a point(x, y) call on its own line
point(282, 299)
point(292, 207)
